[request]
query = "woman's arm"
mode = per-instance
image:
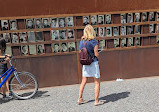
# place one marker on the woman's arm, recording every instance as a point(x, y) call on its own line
point(96, 51)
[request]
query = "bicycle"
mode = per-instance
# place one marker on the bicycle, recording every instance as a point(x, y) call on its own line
point(22, 85)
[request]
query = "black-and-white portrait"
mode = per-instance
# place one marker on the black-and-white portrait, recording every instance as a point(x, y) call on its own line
point(138, 29)
point(55, 34)
point(71, 46)
point(63, 34)
point(157, 28)
point(137, 41)
point(116, 31)
point(29, 23)
point(152, 16)
point(116, 42)
point(4, 24)
point(123, 30)
point(108, 19)
point(24, 49)
point(101, 44)
point(69, 21)
point(32, 49)
point(38, 23)
point(86, 20)
point(152, 28)
point(93, 19)
point(96, 31)
point(130, 41)
point(130, 30)
point(22, 37)
point(123, 18)
point(130, 17)
point(31, 36)
point(13, 24)
point(144, 16)
point(70, 34)
point(39, 36)
point(123, 42)
point(55, 47)
point(108, 31)
point(46, 22)
point(101, 31)
point(8, 50)
point(40, 48)
point(157, 16)
point(63, 47)
point(7, 38)
point(100, 19)
point(54, 23)
point(137, 17)
point(157, 39)
point(62, 22)
point(14, 37)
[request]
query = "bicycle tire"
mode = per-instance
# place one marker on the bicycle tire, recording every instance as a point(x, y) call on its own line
point(23, 92)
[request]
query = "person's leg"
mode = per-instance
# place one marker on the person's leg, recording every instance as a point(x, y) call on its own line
point(97, 89)
point(83, 83)
point(3, 88)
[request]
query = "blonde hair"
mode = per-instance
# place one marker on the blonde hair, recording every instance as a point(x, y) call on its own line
point(89, 33)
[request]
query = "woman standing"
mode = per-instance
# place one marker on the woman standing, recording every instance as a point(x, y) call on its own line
point(91, 70)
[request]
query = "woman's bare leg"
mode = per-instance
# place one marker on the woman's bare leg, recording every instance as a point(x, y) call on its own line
point(97, 89)
point(3, 88)
point(83, 83)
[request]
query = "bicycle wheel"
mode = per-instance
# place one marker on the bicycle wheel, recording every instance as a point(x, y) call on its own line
point(27, 89)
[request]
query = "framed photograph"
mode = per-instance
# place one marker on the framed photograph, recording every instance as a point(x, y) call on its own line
point(32, 49)
point(137, 17)
point(29, 23)
point(7, 38)
point(108, 31)
point(55, 47)
point(152, 16)
point(38, 23)
point(116, 43)
point(123, 18)
point(22, 37)
point(101, 31)
point(137, 41)
point(31, 36)
point(130, 17)
point(63, 47)
point(157, 16)
point(108, 19)
point(40, 48)
point(39, 36)
point(101, 19)
point(93, 19)
point(62, 22)
point(157, 28)
point(116, 31)
point(4, 25)
point(71, 46)
point(144, 16)
point(157, 39)
point(55, 34)
point(96, 31)
point(152, 28)
point(123, 42)
point(86, 20)
point(101, 44)
point(130, 41)
point(54, 23)
point(8, 50)
point(138, 29)
point(78, 43)
point(62, 34)
point(13, 24)
point(24, 50)
point(69, 21)
point(14, 37)
point(70, 34)
point(130, 30)
point(123, 30)
point(46, 22)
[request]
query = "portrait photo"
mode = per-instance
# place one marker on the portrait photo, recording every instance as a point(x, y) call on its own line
point(14, 37)
point(116, 31)
point(63, 47)
point(55, 34)
point(101, 31)
point(4, 25)
point(54, 23)
point(62, 22)
point(13, 24)
point(152, 16)
point(22, 37)
point(116, 43)
point(39, 36)
point(123, 30)
point(24, 49)
point(7, 38)
point(40, 48)
point(101, 19)
point(137, 41)
point(70, 34)
point(62, 34)
point(157, 16)
point(130, 41)
point(101, 44)
point(86, 20)
point(96, 31)
point(93, 19)
point(71, 46)
point(152, 28)
point(137, 17)
point(130, 30)
point(108, 19)
point(157, 39)
point(130, 17)
point(123, 42)
point(138, 29)
point(38, 23)
point(32, 49)
point(144, 16)
point(157, 28)
point(46, 22)
point(55, 47)
point(8, 50)
point(29, 23)
point(31, 36)
point(123, 18)
point(69, 21)
point(108, 31)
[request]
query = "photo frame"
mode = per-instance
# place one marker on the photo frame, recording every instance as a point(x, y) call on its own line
point(29, 24)
point(62, 34)
point(69, 21)
point(8, 50)
point(32, 49)
point(152, 16)
point(101, 31)
point(101, 19)
point(38, 23)
point(86, 20)
point(108, 19)
point(130, 41)
point(93, 19)
point(31, 36)
point(39, 36)
point(145, 16)
point(70, 34)
point(123, 30)
point(64, 47)
point(55, 47)
point(123, 18)
point(157, 16)
point(108, 31)
point(116, 31)
point(24, 50)
point(7, 38)
point(130, 17)
point(137, 17)
point(130, 30)
point(96, 31)
point(157, 28)
point(13, 24)
point(62, 22)
point(54, 23)
point(157, 39)
point(123, 42)
point(40, 48)
point(71, 46)
point(46, 22)
point(151, 28)
point(101, 44)
point(4, 25)
point(22, 37)
point(55, 34)
point(137, 41)
point(116, 43)
point(138, 29)
point(14, 37)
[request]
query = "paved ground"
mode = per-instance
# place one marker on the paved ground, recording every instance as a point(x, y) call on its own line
point(136, 95)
